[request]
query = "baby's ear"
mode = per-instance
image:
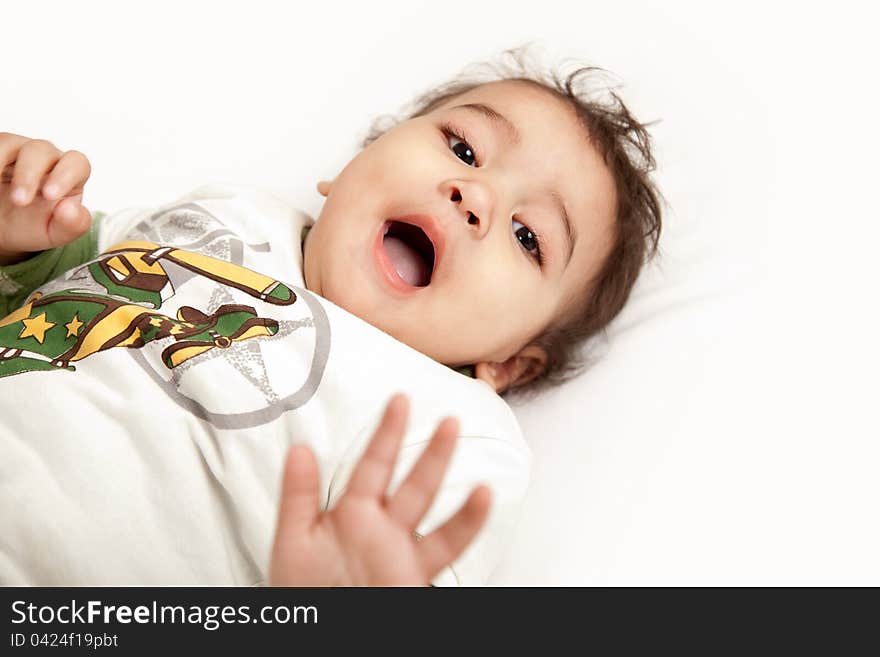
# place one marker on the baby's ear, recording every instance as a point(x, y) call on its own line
point(324, 187)
point(515, 371)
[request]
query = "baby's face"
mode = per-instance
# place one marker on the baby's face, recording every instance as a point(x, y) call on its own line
point(436, 238)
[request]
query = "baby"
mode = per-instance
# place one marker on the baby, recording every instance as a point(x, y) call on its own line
point(465, 253)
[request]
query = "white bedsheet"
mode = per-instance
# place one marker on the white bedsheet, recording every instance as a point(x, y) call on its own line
point(727, 435)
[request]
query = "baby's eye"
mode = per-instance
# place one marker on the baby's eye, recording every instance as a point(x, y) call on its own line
point(462, 149)
point(528, 239)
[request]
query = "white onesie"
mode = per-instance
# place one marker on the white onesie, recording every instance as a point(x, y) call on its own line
point(148, 399)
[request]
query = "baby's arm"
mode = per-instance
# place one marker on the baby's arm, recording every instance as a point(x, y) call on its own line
point(44, 228)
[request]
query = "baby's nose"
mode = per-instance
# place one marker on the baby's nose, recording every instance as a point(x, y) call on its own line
point(474, 203)
point(455, 197)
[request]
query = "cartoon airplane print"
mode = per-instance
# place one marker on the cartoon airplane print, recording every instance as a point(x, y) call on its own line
point(50, 331)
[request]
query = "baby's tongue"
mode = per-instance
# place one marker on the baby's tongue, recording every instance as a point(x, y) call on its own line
point(409, 264)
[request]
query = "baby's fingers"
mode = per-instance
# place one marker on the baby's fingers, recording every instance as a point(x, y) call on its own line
point(35, 159)
point(373, 472)
point(443, 545)
point(300, 496)
point(413, 497)
point(69, 220)
point(70, 173)
point(9, 147)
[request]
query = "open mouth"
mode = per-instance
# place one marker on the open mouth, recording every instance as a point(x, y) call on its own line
point(410, 251)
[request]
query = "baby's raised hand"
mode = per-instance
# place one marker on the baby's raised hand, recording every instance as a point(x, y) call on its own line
point(40, 196)
point(367, 538)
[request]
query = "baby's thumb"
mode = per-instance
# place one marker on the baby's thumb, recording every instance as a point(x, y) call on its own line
point(69, 220)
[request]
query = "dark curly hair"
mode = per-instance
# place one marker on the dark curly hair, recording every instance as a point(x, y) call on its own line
point(625, 146)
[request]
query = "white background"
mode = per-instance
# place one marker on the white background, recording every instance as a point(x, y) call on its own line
point(729, 434)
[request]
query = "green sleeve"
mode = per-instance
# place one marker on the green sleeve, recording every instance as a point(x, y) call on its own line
point(19, 280)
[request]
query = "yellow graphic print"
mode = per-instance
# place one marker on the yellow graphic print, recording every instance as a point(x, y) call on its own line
point(73, 326)
point(35, 326)
point(50, 331)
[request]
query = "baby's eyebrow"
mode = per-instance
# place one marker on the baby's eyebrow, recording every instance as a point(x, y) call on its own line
point(496, 117)
point(570, 234)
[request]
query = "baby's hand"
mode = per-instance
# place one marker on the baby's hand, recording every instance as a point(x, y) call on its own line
point(367, 538)
point(40, 196)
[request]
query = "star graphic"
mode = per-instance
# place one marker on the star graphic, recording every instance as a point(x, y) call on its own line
point(73, 326)
point(245, 356)
point(156, 321)
point(36, 327)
